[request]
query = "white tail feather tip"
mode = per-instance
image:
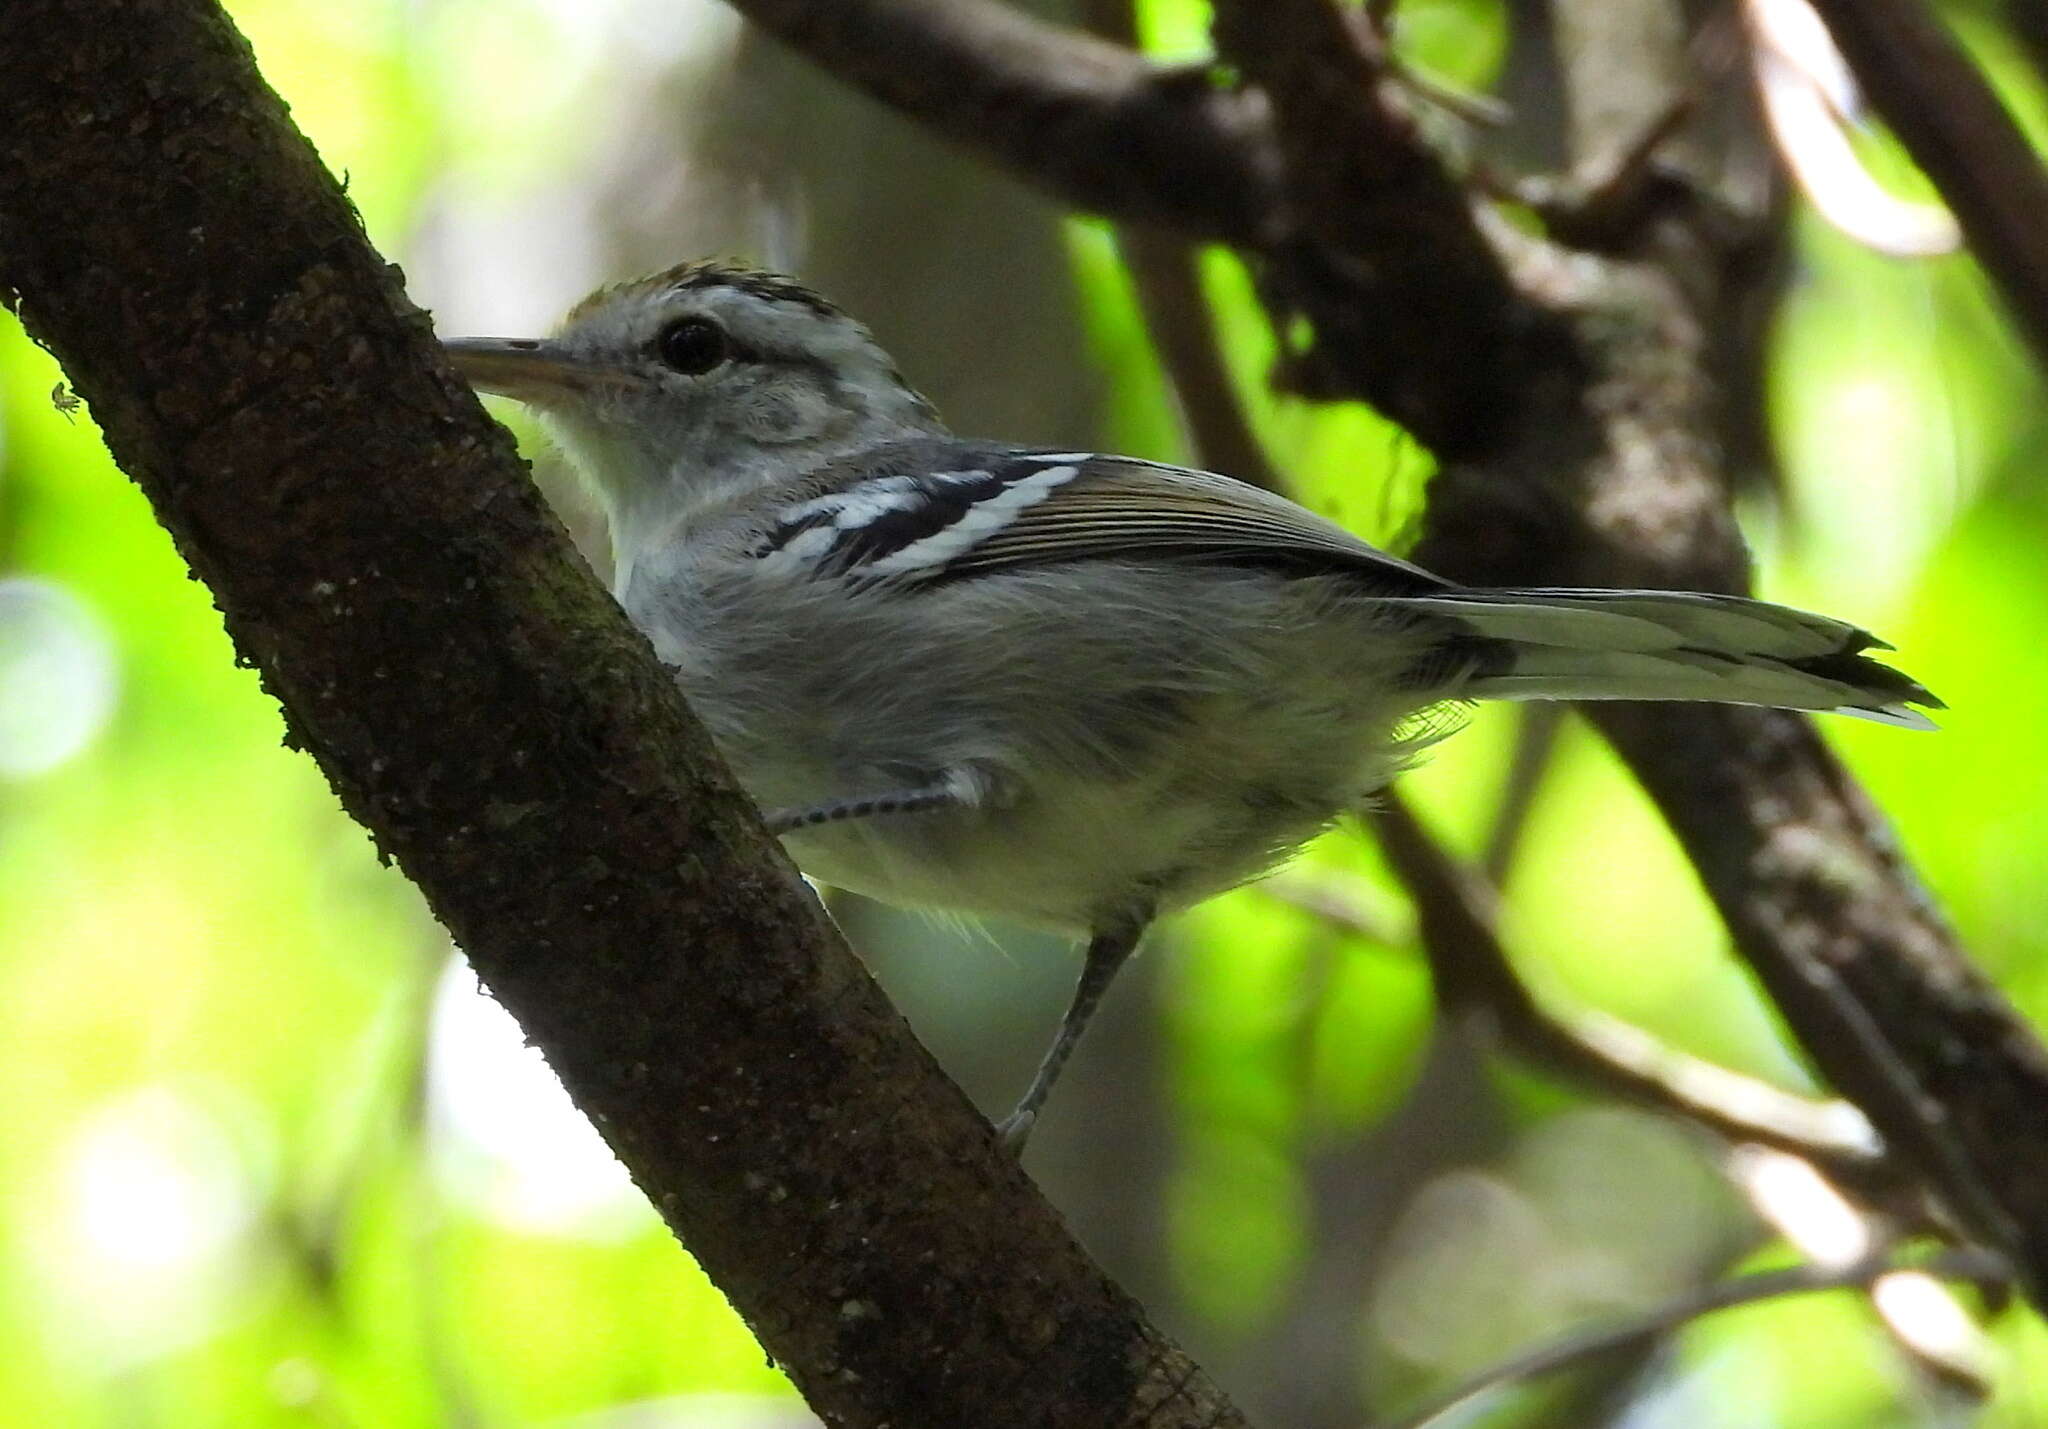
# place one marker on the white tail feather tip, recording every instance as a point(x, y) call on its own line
point(1899, 716)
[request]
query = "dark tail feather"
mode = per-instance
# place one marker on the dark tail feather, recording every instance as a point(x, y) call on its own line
point(1672, 645)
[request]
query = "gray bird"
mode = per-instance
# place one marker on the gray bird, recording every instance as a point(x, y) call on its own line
point(1070, 689)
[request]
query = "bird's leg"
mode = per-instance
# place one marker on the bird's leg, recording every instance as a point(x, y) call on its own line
point(865, 806)
point(1107, 951)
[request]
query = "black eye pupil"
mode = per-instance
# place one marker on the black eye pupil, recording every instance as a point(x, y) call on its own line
point(693, 345)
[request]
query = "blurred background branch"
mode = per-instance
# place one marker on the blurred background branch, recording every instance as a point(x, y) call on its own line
point(1745, 1290)
point(1922, 82)
point(1090, 122)
point(1474, 977)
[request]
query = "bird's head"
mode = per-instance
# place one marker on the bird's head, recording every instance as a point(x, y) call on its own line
point(687, 386)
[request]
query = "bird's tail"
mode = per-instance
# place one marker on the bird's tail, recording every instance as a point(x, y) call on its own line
point(1669, 645)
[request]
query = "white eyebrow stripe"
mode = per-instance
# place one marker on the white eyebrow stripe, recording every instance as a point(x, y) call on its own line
point(975, 523)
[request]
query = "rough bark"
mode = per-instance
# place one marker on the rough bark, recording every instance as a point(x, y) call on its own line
point(1607, 465)
point(484, 709)
point(1373, 234)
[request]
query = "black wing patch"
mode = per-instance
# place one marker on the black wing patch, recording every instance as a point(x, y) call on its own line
point(912, 526)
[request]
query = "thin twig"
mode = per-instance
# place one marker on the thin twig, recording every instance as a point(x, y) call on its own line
point(1537, 728)
point(1921, 81)
point(1976, 1266)
point(1606, 200)
point(1474, 976)
point(1165, 272)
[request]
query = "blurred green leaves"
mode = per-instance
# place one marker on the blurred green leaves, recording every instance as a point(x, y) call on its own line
point(266, 1161)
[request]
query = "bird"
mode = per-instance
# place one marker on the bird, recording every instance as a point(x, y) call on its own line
point(1069, 689)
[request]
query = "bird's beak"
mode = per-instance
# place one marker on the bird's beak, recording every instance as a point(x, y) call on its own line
point(528, 369)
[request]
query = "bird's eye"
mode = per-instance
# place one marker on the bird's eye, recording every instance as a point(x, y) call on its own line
point(693, 345)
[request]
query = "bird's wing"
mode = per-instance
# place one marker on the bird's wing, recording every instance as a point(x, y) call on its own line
point(938, 511)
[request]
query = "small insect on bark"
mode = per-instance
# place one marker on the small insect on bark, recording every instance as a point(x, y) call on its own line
point(65, 401)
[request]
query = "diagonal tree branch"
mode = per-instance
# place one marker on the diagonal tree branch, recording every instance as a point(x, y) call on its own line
point(1090, 122)
point(484, 709)
point(1970, 1266)
point(1167, 277)
point(1801, 867)
point(1474, 975)
point(1470, 966)
point(1918, 77)
point(1537, 728)
point(1383, 251)
point(1811, 883)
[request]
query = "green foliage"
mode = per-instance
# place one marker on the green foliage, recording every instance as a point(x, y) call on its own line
point(266, 1163)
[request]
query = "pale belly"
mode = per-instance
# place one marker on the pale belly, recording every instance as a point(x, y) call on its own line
point(1075, 853)
point(1112, 768)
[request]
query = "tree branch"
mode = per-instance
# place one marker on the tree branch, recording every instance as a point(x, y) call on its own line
point(1397, 288)
point(1090, 122)
point(1166, 274)
point(1459, 931)
point(1537, 728)
point(1816, 893)
point(1918, 77)
point(1473, 975)
point(484, 709)
point(1971, 1266)
point(1802, 868)
point(1383, 252)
